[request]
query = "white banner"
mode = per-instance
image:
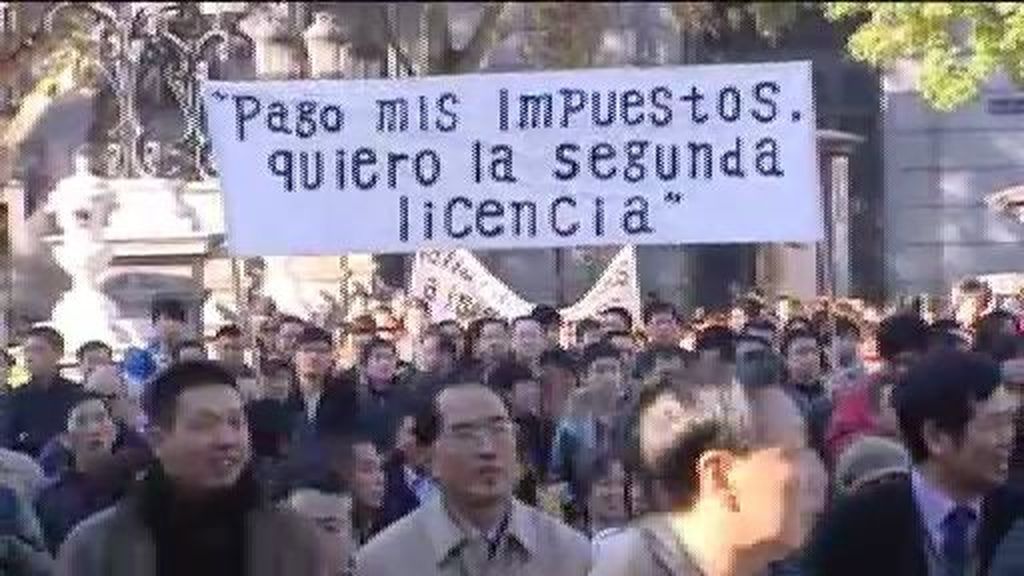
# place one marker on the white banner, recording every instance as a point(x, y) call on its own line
point(666, 155)
point(456, 285)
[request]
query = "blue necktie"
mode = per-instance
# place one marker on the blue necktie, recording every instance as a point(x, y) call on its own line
point(955, 529)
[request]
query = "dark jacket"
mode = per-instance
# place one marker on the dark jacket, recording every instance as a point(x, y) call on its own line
point(38, 414)
point(71, 498)
point(880, 532)
point(815, 404)
point(121, 541)
point(22, 550)
point(399, 498)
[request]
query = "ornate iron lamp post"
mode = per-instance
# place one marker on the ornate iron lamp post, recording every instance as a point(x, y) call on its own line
point(176, 40)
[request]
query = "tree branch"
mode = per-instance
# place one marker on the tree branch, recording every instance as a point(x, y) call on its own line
point(469, 58)
point(439, 43)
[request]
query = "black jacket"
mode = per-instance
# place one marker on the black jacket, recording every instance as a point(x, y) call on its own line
point(399, 499)
point(880, 532)
point(37, 414)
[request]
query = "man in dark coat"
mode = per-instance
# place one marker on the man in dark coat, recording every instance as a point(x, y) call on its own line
point(957, 420)
point(38, 410)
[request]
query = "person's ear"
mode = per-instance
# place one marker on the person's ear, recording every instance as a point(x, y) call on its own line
point(714, 469)
point(935, 440)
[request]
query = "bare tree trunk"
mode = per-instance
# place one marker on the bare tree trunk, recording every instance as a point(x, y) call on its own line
point(470, 57)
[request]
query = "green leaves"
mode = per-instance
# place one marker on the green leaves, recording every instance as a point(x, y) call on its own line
point(958, 45)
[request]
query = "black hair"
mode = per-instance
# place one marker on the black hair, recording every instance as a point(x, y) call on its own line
point(93, 345)
point(428, 418)
point(228, 331)
point(443, 323)
point(988, 328)
point(597, 351)
point(288, 319)
point(271, 366)
point(942, 388)
point(505, 375)
point(798, 323)
point(847, 327)
point(621, 313)
point(659, 307)
point(901, 333)
point(759, 324)
point(160, 396)
point(82, 396)
point(586, 325)
point(719, 338)
point(339, 451)
point(50, 335)
point(648, 360)
point(946, 333)
point(795, 334)
point(168, 308)
point(559, 358)
point(618, 334)
point(185, 344)
point(547, 315)
point(314, 335)
point(374, 344)
point(946, 325)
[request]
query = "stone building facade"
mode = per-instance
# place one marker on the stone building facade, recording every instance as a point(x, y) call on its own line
point(940, 168)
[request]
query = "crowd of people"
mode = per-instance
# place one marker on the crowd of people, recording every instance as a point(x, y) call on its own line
point(820, 440)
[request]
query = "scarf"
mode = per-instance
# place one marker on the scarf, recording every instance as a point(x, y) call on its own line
point(197, 536)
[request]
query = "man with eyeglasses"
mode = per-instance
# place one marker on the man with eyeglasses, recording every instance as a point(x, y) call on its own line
point(475, 525)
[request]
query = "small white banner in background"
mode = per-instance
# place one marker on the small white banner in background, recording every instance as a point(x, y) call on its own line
point(456, 285)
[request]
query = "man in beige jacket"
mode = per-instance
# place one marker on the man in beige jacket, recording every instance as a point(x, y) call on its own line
point(474, 526)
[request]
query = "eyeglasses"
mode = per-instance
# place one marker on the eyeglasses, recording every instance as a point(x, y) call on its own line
point(470, 432)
